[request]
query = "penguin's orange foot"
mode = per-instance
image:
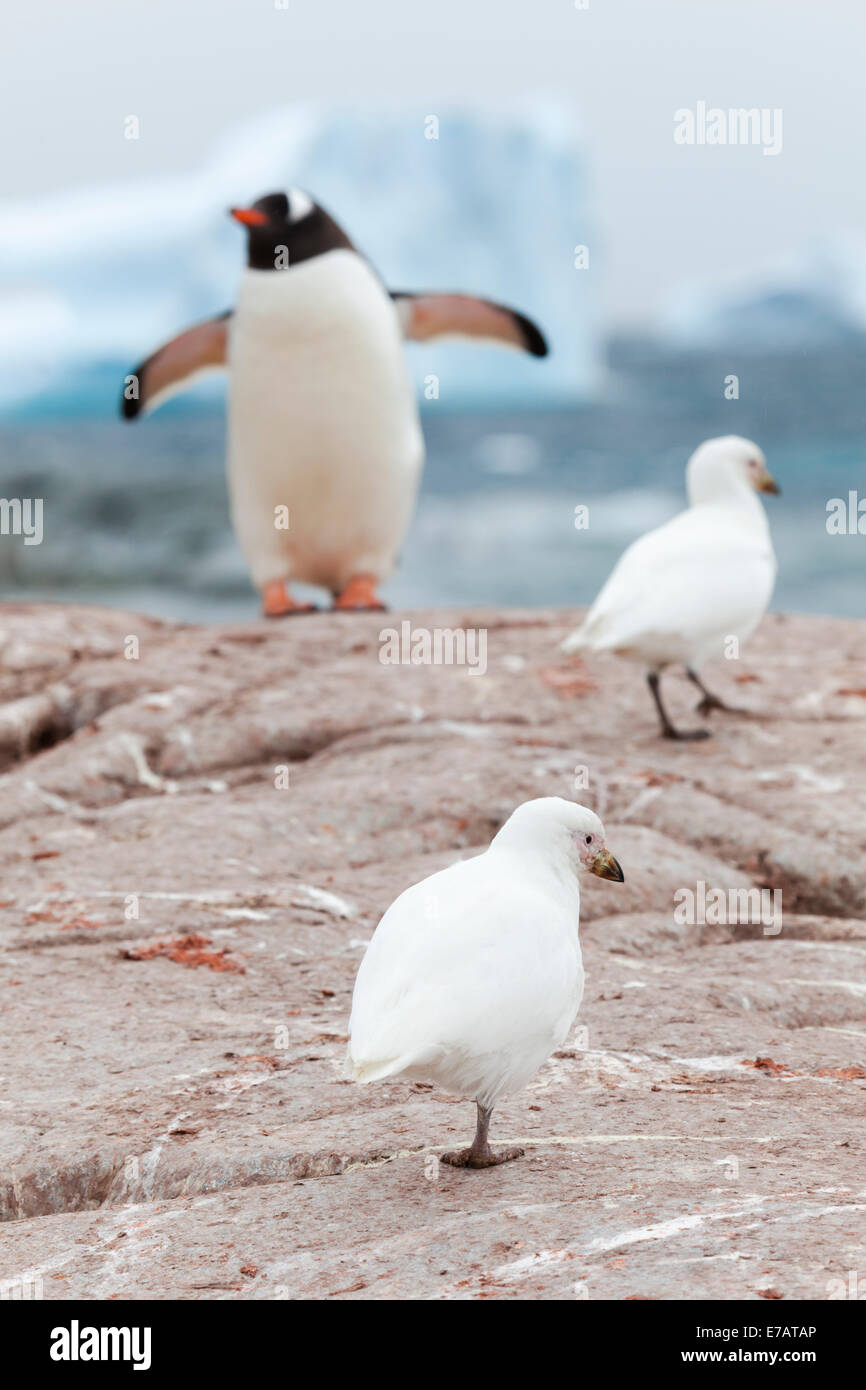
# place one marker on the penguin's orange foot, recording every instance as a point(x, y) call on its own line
point(359, 595)
point(277, 602)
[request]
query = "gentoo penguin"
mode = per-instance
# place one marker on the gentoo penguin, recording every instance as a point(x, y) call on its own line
point(696, 587)
point(324, 440)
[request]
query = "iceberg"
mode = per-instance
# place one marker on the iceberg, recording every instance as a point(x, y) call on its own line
point(814, 297)
point(494, 205)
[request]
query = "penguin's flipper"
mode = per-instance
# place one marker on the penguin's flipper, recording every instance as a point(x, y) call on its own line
point(462, 315)
point(174, 366)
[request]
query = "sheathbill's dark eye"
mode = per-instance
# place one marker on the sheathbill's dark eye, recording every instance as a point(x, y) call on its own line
point(589, 839)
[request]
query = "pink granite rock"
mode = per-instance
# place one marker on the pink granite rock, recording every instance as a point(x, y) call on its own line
point(259, 794)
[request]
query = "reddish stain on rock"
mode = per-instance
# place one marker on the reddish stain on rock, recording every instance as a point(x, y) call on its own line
point(567, 682)
point(766, 1064)
point(190, 950)
point(78, 922)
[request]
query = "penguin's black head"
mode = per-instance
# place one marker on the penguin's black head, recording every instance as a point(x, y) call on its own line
point(285, 228)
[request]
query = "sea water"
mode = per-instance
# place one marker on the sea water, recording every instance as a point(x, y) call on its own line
point(520, 508)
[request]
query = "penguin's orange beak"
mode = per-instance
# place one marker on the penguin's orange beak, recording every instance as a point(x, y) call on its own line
point(248, 217)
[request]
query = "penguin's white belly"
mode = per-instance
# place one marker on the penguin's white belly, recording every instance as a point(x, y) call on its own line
point(323, 429)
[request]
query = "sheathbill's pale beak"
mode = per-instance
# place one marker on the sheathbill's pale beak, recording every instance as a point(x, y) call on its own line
point(605, 866)
point(767, 483)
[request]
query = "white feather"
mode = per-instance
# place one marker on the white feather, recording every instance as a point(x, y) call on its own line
point(474, 976)
point(680, 592)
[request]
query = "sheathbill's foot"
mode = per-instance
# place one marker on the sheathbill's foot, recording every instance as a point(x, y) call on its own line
point(685, 735)
point(480, 1158)
point(668, 729)
point(710, 701)
point(479, 1154)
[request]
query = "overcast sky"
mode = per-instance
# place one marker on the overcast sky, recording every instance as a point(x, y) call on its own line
point(192, 68)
